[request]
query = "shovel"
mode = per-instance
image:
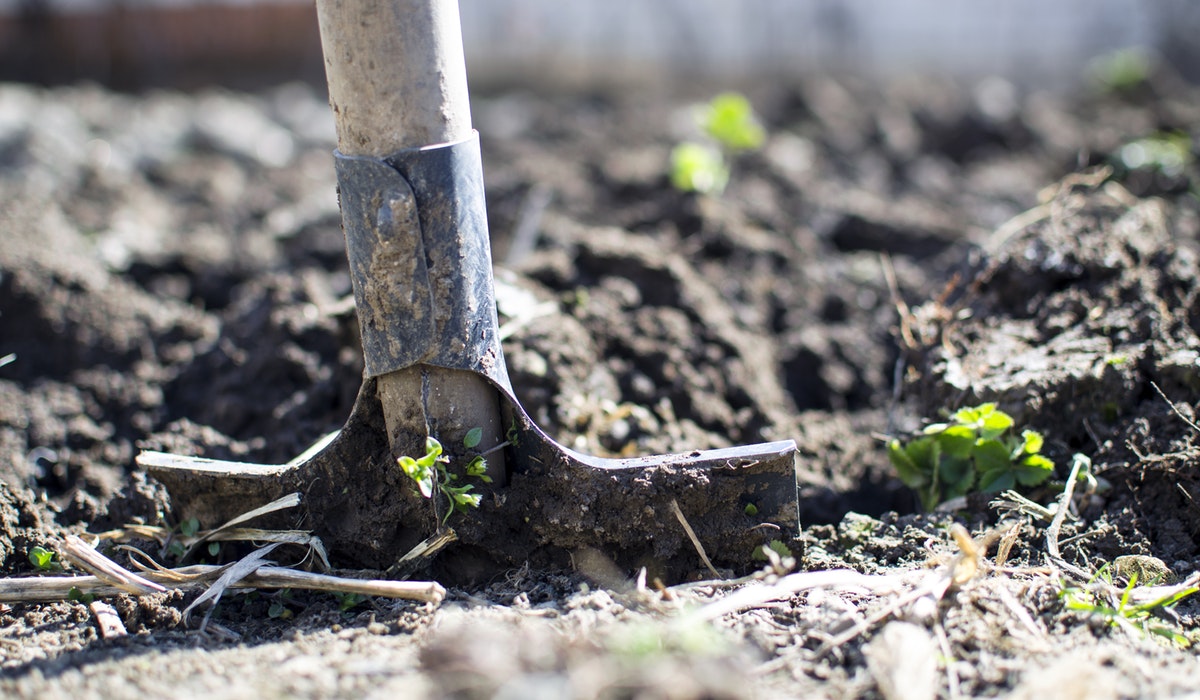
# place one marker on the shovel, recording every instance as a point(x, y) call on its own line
point(412, 202)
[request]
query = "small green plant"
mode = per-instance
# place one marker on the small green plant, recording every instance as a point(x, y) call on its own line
point(1165, 152)
point(430, 474)
point(279, 609)
point(1121, 71)
point(1121, 612)
point(188, 529)
point(697, 167)
point(44, 559)
point(348, 601)
point(729, 124)
point(775, 546)
point(974, 451)
point(78, 596)
point(729, 119)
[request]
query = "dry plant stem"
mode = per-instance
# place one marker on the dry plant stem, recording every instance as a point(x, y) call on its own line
point(45, 589)
point(1007, 540)
point(937, 586)
point(952, 683)
point(85, 557)
point(107, 620)
point(1175, 408)
point(687, 527)
point(1144, 595)
point(1038, 633)
point(421, 553)
point(1060, 514)
point(758, 593)
point(229, 575)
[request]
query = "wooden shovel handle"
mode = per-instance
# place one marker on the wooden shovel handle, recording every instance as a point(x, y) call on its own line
point(396, 73)
point(398, 80)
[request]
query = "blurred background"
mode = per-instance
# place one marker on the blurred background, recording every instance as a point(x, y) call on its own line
point(552, 44)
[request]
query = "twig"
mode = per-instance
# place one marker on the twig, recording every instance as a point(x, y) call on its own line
point(44, 589)
point(1175, 408)
point(230, 575)
point(1145, 595)
point(1015, 225)
point(495, 449)
point(695, 540)
point(81, 554)
point(758, 593)
point(1060, 514)
point(936, 586)
point(952, 683)
point(1023, 616)
point(902, 308)
point(421, 553)
point(1007, 540)
point(289, 501)
point(107, 620)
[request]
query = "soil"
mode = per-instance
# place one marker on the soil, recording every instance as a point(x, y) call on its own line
point(173, 277)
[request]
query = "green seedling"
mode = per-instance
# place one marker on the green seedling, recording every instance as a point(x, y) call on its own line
point(78, 596)
point(775, 546)
point(973, 452)
point(730, 127)
point(730, 121)
point(1121, 71)
point(348, 601)
point(188, 529)
point(44, 559)
point(697, 167)
point(472, 438)
point(430, 474)
point(1121, 612)
point(1166, 152)
point(424, 470)
point(279, 609)
point(653, 640)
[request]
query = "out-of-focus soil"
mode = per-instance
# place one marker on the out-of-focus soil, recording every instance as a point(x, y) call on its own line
point(173, 277)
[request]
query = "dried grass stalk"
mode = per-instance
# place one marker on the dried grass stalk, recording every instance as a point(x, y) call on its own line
point(44, 589)
point(82, 554)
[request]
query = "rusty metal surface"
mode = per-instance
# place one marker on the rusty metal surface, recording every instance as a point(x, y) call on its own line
point(420, 259)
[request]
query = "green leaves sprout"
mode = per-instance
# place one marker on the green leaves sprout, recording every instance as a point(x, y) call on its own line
point(347, 601)
point(43, 559)
point(1166, 152)
point(973, 452)
point(730, 121)
point(1122, 612)
point(730, 127)
point(698, 167)
point(424, 470)
point(431, 475)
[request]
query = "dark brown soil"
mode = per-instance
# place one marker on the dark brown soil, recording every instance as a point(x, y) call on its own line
point(172, 277)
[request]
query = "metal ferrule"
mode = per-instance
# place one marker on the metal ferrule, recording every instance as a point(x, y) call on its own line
point(420, 259)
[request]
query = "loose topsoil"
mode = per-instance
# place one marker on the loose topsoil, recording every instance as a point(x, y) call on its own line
point(173, 277)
